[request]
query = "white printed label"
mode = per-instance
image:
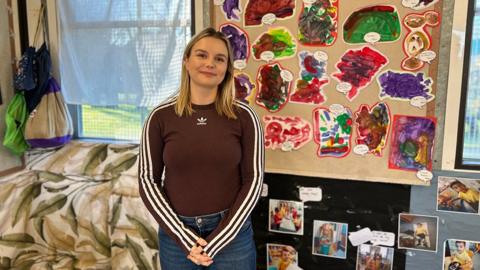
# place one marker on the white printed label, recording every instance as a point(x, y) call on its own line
point(410, 3)
point(313, 194)
point(383, 238)
point(361, 149)
point(240, 64)
point(218, 2)
point(427, 56)
point(360, 237)
point(425, 175)
point(309, 2)
point(336, 109)
point(418, 101)
point(320, 56)
point(372, 37)
point(269, 18)
point(344, 87)
point(264, 190)
point(287, 146)
point(286, 75)
point(267, 56)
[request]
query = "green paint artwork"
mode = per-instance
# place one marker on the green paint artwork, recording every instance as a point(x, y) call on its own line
point(277, 40)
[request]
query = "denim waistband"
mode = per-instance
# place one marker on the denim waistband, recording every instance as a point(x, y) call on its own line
point(220, 214)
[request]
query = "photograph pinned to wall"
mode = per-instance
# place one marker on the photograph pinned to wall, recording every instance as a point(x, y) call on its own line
point(356, 70)
point(460, 195)
point(374, 257)
point(373, 125)
point(266, 12)
point(332, 130)
point(230, 8)
point(417, 43)
point(312, 78)
point(417, 232)
point(244, 87)
point(418, 4)
point(239, 42)
point(318, 23)
point(275, 44)
point(286, 132)
point(330, 239)
point(281, 257)
point(372, 24)
point(415, 88)
point(285, 216)
point(411, 146)
point(273, 86)
point(461, 255)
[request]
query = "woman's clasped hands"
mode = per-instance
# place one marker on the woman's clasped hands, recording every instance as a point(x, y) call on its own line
point(198, 256)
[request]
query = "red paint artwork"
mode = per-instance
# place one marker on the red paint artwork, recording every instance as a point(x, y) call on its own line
point(272, 88)
point(373, 125)
point(286, 132)
point(256, 9)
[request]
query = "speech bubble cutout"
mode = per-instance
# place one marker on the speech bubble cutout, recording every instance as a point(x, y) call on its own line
point(218, 2)
point(264, 190)
point(313, 194)
point(286, 75)
point(427, 56)
point(425, 175)
point(360, 237)
point(240, 64)
point(309, 2)
point(418, 101)
point(383, 238)
point(361, 149)
point(344, 87)
point(267, 56)
point(269, 18)
point(372, 37)
point(337, 109)
point(410, 3)
point(287, 146)
point(320, 56)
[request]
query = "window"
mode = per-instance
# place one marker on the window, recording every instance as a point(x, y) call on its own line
point(118, 59)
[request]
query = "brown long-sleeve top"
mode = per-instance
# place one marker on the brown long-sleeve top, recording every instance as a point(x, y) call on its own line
point(211, 163)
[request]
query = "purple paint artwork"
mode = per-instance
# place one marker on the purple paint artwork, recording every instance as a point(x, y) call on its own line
point(332, 130)
point(243, 87)
point(286, 132)
point(405, 86)
point(357, 69)
point(256, 9)
point(373, 125)
point(273, 88)
point(313, 68)
point(231, 9)
point(411, 147)
point(238, 40)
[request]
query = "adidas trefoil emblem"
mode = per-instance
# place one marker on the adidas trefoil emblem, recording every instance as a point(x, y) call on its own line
point(202, 121)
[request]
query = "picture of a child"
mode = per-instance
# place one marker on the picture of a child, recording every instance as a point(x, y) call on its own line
point(465, 195)
point(461, 256)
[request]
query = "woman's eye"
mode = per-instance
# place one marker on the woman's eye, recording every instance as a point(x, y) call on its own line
point(201, 55)
point(220, 59)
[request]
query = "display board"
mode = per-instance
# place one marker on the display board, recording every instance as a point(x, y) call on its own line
point(344, 89)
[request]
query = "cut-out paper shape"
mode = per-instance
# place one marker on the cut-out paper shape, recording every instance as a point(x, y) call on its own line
point(373, 126)
point(411, 146)
point(417, 42)
point(256, 10)
point(357, 68)
point(418, 4)
point(273, 89)
point(313, 69)
point(230, 8)
point(318, 23)
point(381, 20)
point(332, 130)
point(278, 41)
point(286, 132)
point(406, 86)
point(243, 87)
point(239, 42)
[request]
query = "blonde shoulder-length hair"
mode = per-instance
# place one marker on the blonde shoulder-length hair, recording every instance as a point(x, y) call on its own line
point(224, 103)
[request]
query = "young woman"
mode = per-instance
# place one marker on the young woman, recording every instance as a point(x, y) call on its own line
point(201, 164)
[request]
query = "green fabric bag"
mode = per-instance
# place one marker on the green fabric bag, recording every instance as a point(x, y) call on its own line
point(15, 119)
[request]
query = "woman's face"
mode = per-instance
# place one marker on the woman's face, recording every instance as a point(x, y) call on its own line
point(207, 63)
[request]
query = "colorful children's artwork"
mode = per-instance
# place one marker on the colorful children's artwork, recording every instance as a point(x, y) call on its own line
point(243, 87)
point(318, 23)
point(239, 43)
point(411, 146)
point(273, 86)
point(330, 239)
point(231, 10)
point(460, 195)
point(313, 69)
point(417, 232)
point(406, 86)
point(374, 257)
point(373, 127)
point(356, 70)
point(258, 12)
point(286, 132)
point(286, 217)
point(280, 257)
point(332, 130)
point(461, 255)
point(276, 43)
point(418, 4)
point(372, 24)
point(417, 42)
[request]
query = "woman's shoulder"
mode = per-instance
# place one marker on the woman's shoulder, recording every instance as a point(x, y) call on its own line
point(164, 107)
point(245, 111)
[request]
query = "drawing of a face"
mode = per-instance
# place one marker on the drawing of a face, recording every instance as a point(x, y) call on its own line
point(415, 44)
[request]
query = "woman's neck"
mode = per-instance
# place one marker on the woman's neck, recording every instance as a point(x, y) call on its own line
point(202, 96)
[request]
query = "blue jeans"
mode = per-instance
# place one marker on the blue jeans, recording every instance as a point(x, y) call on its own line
point(239, 254)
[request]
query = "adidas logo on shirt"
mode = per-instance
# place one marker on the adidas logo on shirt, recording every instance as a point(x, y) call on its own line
point(202, 121)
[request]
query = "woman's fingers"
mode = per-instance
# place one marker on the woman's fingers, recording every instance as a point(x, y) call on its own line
point(201, 242)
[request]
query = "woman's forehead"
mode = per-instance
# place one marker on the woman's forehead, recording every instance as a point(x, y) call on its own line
point(211, 44)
